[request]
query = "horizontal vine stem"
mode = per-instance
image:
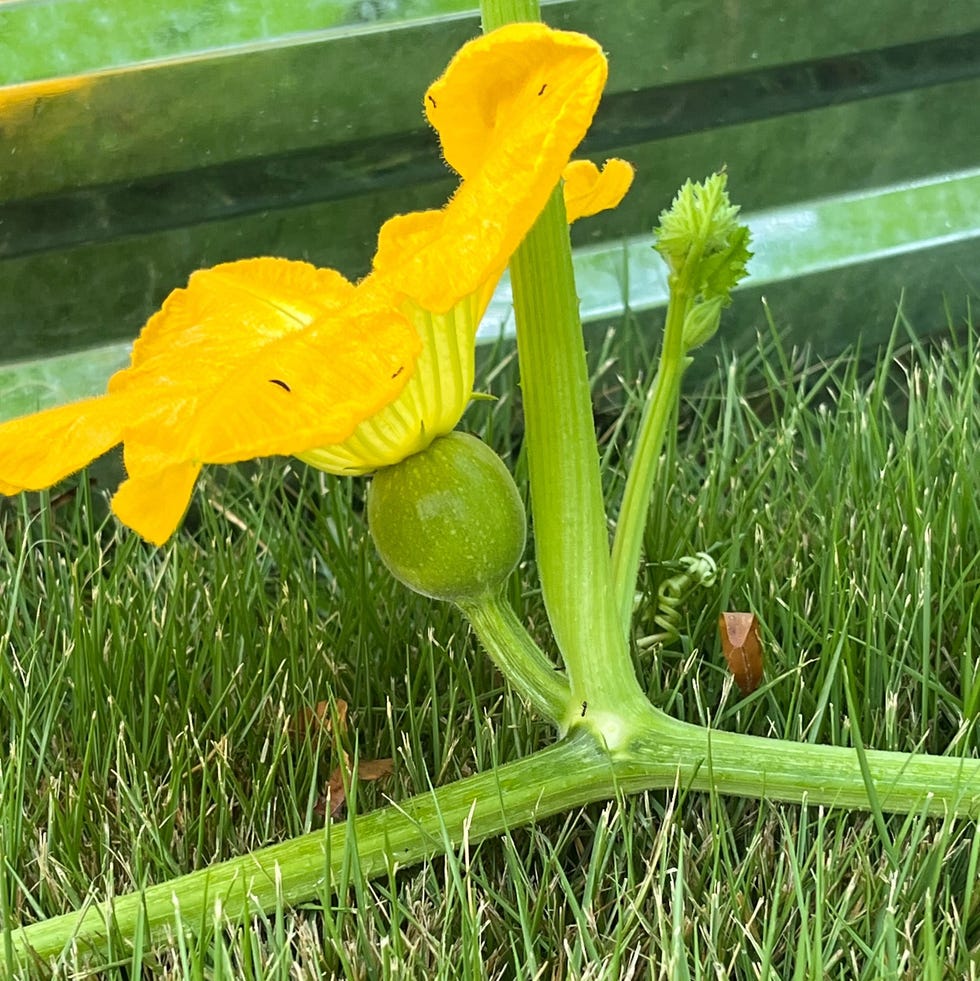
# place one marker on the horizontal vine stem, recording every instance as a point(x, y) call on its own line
point(659, 753)
point(566, 774)
point(777, 769)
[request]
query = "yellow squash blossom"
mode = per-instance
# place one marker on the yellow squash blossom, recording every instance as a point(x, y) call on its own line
point(270, 356)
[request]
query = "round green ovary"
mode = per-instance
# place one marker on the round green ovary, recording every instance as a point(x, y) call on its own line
point(449, 521)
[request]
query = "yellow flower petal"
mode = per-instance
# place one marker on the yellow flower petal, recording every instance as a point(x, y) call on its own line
point(39, 450)
point(228, 313)
point(525, 89)
point(588, 190)
point(264, 357)
point(252, 359)
point(510, 109)
point(304, 391)
point(154, 505)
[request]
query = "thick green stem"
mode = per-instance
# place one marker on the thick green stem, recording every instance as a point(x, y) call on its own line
point(571, 540)
point(569, 520)
point(777, 769)
point(657, 752)
point(496, 13)
point(317, 863)
point(519, 659)
point(635, 508)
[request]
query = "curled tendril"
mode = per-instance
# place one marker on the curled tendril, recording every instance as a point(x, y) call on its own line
point(698, 571)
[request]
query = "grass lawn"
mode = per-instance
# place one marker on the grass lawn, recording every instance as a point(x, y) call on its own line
point(157, 703)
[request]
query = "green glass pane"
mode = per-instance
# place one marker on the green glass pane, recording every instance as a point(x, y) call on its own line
point(87, 35)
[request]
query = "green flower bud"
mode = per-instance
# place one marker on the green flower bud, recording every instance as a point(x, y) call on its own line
point(701, 322)
point(449, 521)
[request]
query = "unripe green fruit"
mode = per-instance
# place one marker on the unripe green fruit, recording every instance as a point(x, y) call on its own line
point(449, 521)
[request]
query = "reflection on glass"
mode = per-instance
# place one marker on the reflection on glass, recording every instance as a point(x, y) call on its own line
point(99, 34)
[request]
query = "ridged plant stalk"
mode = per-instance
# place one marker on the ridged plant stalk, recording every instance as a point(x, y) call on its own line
point(571, 538)
point(573, 772)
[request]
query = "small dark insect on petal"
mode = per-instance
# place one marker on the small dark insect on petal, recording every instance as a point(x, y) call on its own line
point(543, 87)
point(281, 384)
point(433, 101)
point(401, 368)
point(585, 706)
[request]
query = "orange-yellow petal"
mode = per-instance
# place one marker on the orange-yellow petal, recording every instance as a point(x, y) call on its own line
point(252, 359)
point(589, 190)
point(226, 314)
point(510, 109)
point(39, 450)
point(154, 504)
point(525, 89)
point(264, 356)
point(298, 391)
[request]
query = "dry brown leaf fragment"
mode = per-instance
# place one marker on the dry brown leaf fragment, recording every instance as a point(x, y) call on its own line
point(375, 769)
point(741, 644)
point(336, 794)
point(318, 720)
point(335, 797)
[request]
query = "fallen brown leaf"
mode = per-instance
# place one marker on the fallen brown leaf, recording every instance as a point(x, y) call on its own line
point(742, 647)
point(317, 720)
point(336, 795)
point(375, 769)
